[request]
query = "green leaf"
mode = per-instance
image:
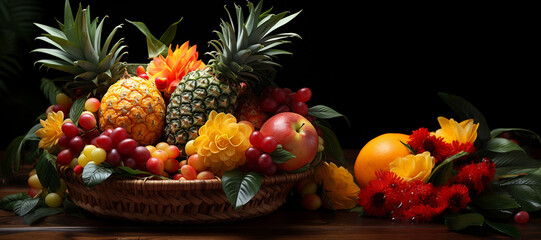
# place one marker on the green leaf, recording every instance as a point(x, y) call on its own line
point(95, 174)
point(25, 206)
point(529, 197)
point(76, 109)
point(9, 201)
point(491, 200)
point(332, 145)
point(49, 89)
point(240, 187)
point(466, 110)
point(46, 171)
point(457, 222)
point(280, 155)
point(324, 112)
point(445, 162)
point(496, 132)
point(156, 47)
point(41, 213)
point(504, 228)
point(501, 145)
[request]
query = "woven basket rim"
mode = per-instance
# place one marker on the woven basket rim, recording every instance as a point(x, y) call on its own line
point(216, 183)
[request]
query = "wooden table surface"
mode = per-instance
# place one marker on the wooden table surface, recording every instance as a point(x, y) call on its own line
point(288, 222)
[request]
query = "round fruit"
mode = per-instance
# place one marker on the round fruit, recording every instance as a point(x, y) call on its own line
point(172, 151)
point(64, 100)
point(270, 170)
point(300, 108)
point(87, 121)
point(82, 160)
point(114, 158)
point(162, 146)
point(188, 172)
point(203, 175)
point(33, 182)
point(171, 165)
point(78, 169)
point(127, 146)
point(522, 217)
point(57, 108)
point(104, 141)
point(160, 154)
point(98, 155)
point(161, 83)
point(64, 141)
point(76, 144)
point(32, 192)
point(308, 188)
point(311, 201)
point(377, 154)
point(92, 105)
point(130, 162)
point(269, 105)
point(155, 166)
point(255, 139)
point(303, 95)
point(264, 161)
point(196, 162)
point(279, 95)
point(87, 151)
point(253, 153)
point(189, 149)
point(268, 144)
point(64, 157)
point(70, 129)
point(53, 200)
point(141, 154)
point(118, 134)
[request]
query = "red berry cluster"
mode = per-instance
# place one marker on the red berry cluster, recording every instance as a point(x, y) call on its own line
point(258, 156)
point(74, 140)
point(277, 100)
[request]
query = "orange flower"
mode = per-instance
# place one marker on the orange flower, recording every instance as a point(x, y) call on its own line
point(177, 63)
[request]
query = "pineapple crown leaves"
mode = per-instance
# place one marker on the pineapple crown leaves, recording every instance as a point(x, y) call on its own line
point(245, 49)
point(78, 51)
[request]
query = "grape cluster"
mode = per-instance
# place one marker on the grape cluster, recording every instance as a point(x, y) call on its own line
point(258, 156)
point(277, 100)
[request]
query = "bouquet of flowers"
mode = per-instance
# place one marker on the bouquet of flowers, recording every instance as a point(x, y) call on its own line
point(462, 173)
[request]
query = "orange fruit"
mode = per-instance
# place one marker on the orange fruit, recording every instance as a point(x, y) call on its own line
point(377, 154)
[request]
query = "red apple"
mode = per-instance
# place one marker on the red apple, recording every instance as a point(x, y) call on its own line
point(296, 134)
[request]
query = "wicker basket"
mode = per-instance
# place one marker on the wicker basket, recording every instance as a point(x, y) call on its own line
point(197, 201)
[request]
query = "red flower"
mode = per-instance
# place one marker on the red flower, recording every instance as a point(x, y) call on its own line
point(421, 213)
point(476, 176)
point(421, 140)
point(454, 197)
point(373, 198)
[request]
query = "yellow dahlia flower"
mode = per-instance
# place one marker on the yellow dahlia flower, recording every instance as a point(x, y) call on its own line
point(413, 167)
point(52, 129)
point(451, 130)
point(338, 185)
point(222, 142)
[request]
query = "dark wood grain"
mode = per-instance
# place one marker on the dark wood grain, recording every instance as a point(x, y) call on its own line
point(288, 222)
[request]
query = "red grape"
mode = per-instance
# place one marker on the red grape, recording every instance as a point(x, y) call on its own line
point(64, 141)
point(253, 153)
point(70, 129)
point(127, 146)
point(269, 105)
point(114, 158)
point(188, 172)
point(255, 139)
point(279, 95)
point(303, 95)
point(264, 161)
point(107, 132)
point(118, 135)
point(78, 169)
point(87, 121)
point(76, 144)
point(57, 108)
point(141, 154)
point(522, 217)
point(300, 108)
point(268, 144)
point(104, 141)
point(282, 108)
point(130, 162)
point(64, 157)
point(155, 166)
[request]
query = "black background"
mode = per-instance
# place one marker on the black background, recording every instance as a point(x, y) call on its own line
point(381, 65)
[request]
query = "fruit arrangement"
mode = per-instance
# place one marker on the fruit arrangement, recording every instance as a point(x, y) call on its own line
point(176, 119)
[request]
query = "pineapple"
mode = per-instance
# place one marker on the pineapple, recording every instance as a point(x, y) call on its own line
point(136, 105)
point(78, 51)
point(249, 108)
point(244, 53)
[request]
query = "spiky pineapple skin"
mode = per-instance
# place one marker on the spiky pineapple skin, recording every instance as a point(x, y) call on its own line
point(249, 109)
point(136, 105)
point(196, 95)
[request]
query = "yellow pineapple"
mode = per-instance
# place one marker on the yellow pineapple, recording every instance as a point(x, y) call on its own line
point(136, 105)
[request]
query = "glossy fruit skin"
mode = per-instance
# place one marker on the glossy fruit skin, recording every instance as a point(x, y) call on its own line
point(522, 217)
point(311, 201)
point(87, 121)
point(53, 200)
point(64, 157)
point(155, 166)
point(127, 146)
point(70, 129)
point(296, 134)
point(377, 153)
point(141, 154)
